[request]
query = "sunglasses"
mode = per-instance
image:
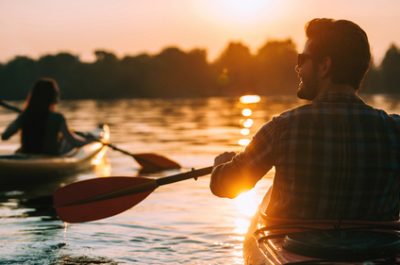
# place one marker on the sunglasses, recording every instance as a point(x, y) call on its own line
point(303, 57)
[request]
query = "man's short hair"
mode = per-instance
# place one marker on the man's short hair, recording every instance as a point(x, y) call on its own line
point(347, 46)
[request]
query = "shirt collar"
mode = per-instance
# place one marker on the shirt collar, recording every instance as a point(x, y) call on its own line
point(339, 97)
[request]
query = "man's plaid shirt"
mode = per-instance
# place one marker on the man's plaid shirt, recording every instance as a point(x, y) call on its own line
point(336, 158)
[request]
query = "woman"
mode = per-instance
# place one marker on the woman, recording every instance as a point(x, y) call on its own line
point(42, 128)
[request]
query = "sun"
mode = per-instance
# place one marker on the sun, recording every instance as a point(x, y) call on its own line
point(240, 10)
point(243, 9)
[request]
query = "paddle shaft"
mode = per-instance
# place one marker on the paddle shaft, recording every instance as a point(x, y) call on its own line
point(117, 148)
point(10, 107)
point(182, 176)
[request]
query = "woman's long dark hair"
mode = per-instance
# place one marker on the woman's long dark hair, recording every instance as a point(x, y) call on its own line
point(44, 93)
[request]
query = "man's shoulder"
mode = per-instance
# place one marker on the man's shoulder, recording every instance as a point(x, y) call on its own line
point(385, 115)
point(294, 112)
point(395, 118)
point(283, 119)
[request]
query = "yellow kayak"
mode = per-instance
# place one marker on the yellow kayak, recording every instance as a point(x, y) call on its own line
point(18, 167)
point(281, 241)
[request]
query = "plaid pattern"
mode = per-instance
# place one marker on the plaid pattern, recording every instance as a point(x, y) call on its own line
point(336, 158)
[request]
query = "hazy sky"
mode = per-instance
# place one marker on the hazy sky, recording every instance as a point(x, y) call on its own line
point(37, 27)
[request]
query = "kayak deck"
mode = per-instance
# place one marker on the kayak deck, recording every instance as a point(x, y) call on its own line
point(274, 241)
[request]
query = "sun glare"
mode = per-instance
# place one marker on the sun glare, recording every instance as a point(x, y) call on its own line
point(234, 14)
point(243, 11)
point(246, 203)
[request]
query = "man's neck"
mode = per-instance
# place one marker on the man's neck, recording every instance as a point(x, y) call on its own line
point(333, 88)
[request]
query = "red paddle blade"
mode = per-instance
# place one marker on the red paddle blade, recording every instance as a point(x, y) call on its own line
point(100, 198)
point(151, 162)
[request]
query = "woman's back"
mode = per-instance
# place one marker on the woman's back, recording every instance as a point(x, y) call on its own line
point(41, 136)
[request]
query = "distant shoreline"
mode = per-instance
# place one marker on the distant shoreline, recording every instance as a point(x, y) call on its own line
point(174, 73)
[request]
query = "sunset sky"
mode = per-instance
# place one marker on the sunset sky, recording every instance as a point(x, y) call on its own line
point(37, 27)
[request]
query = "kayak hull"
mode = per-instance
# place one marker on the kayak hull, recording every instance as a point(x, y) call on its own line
point(18, 167)
point(266, 241)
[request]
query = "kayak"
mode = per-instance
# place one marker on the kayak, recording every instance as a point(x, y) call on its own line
point(281, 241)
point(17, 167)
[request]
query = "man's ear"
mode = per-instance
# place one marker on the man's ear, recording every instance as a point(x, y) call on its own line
point(325, 67)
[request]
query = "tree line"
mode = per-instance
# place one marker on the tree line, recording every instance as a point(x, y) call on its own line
point(176, 73)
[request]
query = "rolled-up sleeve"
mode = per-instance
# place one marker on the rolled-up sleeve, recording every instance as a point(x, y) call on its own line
point(246, 168)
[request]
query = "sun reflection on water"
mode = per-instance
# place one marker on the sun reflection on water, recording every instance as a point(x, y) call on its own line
point(246, 122)
point(250, 99)
point(245, 131)
point(102, 168)
point(65, 232)
point(247, 112)
point(243, 142)
point(245, 205)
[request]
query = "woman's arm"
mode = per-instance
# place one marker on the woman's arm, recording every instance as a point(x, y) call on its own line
point(72, 138)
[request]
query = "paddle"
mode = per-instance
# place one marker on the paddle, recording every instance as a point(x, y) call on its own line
point(8, 106)
point(149, 162)
point(99, 198)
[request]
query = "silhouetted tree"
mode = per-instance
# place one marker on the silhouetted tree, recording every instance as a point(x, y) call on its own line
point(275, 67)
point(372, 81)
point(133, 76)
point(236, 67)
point(18, 77)
point(62, 67)
point(390, 69)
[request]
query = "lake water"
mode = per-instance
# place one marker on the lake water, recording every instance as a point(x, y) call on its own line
point(181, 223)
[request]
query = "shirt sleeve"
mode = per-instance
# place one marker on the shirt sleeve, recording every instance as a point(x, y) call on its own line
point(246, 168)
point(11, 129)
point(72, 138)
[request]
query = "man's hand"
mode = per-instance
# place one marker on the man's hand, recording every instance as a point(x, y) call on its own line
point(223, 158)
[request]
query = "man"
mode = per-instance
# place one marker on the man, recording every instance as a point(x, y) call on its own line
point(335, 158)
